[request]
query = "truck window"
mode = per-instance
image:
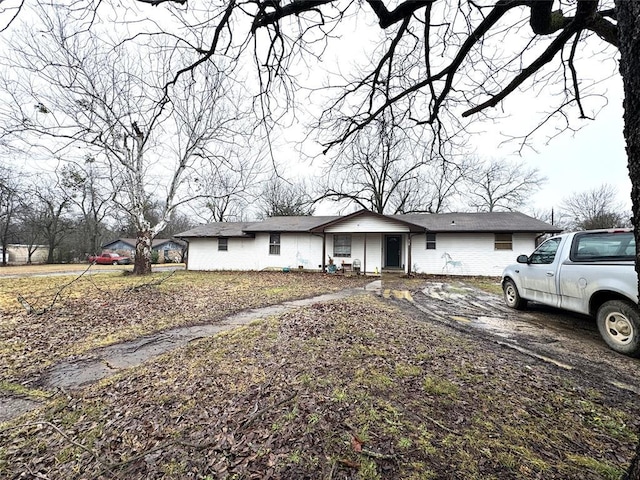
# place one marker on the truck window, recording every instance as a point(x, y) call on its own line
point(546, 252)
point(603, 246)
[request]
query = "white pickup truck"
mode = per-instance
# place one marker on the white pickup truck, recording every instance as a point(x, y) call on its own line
point(590, 272)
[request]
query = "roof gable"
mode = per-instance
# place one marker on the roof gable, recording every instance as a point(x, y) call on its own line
point(367, 221)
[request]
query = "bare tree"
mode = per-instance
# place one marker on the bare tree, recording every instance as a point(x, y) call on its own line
point(229, 193)
point(501, 185)
point(281, 197)
point(376, 169)
point(87, 191)
point(436, 189)
point(595, 208)
point(49, 212)
point(9, 203)
point(155, 140)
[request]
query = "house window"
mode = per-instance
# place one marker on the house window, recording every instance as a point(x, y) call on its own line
point(223, 244)
point(342, 245)
point(504, 241)
point(274, 244)
point(431, 241)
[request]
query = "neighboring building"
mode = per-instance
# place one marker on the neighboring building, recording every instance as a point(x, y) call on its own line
point(19, 254)
point(169, 250)
point(451, 243)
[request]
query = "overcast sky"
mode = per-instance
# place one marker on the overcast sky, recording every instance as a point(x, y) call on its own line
point(574, 162)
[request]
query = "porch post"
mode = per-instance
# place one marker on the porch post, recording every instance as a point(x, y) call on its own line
point(409, 253)
point(364, 259)
point(324, 250)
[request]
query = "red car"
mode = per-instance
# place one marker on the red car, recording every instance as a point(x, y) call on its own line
point(109, 259)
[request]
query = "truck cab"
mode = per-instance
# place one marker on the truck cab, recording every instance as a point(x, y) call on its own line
point(589, 272)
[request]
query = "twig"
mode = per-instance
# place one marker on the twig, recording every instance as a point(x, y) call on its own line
point(67, 438)
point(377, 455)
point(258, 413)
point(444, 427)
point(150, 284)
point(30, 309)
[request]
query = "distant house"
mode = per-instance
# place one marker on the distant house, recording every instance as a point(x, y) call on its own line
point(169, 250)
point(451, 243)
point(19, 254)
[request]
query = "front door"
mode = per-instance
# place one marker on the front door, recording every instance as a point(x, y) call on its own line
point(393, 251)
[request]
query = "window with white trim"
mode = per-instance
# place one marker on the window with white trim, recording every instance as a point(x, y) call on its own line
point(431, 241)
point(274, 244)
point(342, 245)
point(223, 244)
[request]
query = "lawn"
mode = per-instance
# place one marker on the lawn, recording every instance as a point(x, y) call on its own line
point(360, 388)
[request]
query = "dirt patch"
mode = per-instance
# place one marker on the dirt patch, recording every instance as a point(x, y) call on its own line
point(92, 312)
point(571, 341)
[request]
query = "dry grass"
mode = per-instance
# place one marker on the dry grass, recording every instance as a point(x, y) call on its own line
point(361, 388)
point(98, 310)
point(354, 389)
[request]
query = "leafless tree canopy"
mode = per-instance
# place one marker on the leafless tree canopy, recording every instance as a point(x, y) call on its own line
point(440, 62)
point(280, 197)
point(595, 208)
point(156, 135)
point(500, 185)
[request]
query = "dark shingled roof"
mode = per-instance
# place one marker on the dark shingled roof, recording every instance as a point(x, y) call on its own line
point(514, 222)
point(480, 222)
point(218, 229)
point(289, 224)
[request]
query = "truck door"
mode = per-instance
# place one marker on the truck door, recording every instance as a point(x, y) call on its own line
point(539, 275)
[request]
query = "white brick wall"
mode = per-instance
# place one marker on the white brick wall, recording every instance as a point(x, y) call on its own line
point(470, 253)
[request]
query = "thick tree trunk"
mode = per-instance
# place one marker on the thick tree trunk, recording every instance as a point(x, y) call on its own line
point(628, 13)
point(50, 258)
point(142, 265)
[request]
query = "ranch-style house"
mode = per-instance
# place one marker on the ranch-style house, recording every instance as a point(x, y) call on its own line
point(368, 242)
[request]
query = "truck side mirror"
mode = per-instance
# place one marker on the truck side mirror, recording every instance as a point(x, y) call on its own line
point(522, 259)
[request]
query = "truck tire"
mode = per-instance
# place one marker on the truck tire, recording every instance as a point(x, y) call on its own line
point(511, 295)
point(115, 262)
point(619, 326)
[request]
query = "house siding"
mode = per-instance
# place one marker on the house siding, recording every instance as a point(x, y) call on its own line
point(204, 255)
point(457, 252)
point(469, 253)
point(253, 254)
point(19, 254)
point(296, 249)
point(357, 250)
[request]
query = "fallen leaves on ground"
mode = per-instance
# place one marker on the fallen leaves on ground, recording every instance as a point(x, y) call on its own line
point(349, 389)
point(98, 310)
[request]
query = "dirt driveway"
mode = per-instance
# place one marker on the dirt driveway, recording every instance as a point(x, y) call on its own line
point(568, 340)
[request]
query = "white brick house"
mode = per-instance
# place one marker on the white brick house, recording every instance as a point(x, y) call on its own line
point(451, 243)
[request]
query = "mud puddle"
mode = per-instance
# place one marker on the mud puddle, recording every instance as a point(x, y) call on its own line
point(570, 341)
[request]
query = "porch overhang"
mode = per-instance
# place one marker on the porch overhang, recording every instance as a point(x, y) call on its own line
point(404, 226)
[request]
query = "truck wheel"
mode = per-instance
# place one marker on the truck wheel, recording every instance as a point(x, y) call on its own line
point(619, 325)
point(114, 262)
point(511, 295)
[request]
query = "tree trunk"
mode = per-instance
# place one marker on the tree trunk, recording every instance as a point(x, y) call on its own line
point(50, 258)
point(142, 265)
point(628, 13)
